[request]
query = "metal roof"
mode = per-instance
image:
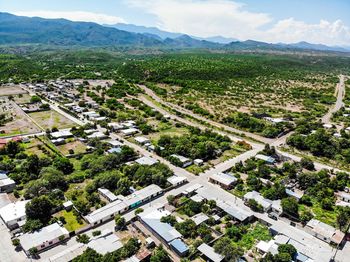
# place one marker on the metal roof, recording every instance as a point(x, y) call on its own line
point(179, 246)
point(210, 253)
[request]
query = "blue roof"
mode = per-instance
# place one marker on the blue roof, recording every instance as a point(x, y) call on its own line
point(179, 246)
point(115, 150)
point(164, 230)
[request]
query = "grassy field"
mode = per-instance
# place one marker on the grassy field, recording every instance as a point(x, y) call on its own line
point(71, 220)
point(77, 146)
point(50, 119)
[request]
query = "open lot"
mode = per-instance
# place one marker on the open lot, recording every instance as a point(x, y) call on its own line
point(20, 123)
point(11, 90)
point(50, 119)
point(72, 223)
point(77, 146)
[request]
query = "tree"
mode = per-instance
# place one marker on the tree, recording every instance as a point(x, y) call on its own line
point(171, 199)
point(39, 208)
point(32, 225)
point(307, 163)
point(306, 216)
point(35, 99)
point(255, 206)
point(63, 164)
point(290, 207)
point(287, 248)
point(89, 255)
point(343, 219)
point(83, 238)
point(119, 222)
point(16, 242)
point(224, 247)
point(33, 251)
point(282, 257)
point(138, 211)
point(160, 255)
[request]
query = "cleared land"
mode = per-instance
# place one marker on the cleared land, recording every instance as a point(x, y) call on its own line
point(50, 119)
point(20, 123)
point(77, 147)
point(11, 90)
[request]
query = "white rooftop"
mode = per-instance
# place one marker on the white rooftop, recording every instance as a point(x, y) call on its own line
point(174, 180)
point(210, 253)
point(223, 178)
point(145, 160)
point(62, 133)
point(45, 234)
point(106, 242)
point(13, 211)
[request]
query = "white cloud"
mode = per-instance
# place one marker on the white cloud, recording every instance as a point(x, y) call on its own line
point(74, 16)
point(228, 18)
point(290, 30)
point(203, 17)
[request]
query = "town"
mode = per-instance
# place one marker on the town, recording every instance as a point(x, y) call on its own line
point(107, 168)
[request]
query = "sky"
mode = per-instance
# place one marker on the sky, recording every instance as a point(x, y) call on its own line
point(288, 21)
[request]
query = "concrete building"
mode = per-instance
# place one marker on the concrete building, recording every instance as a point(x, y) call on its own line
point(324, 232)
point(163, 231)
point(265, 203)
point(44, 238)
point(108, 195)
point(129, 131)
point(226, 181)
point(6, 184)
point(344, 197)
point(267, 159)
point(147, 161)
point(199, 218)
point(61, 134)
point(185, 162)
point(142, 140)
point(106, 242)
point(14, 214)
point(198, 162)
point(177, 180)
point(297, 195)
point(120, 206)
point(209, 253)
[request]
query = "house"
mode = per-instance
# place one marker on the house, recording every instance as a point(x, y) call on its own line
point(106, 242)
point(265, 203)
point(61, 134)
point(68, 205)
point(180, 248)
point(297, 195)
point(147, 161)
point(324, 232)
point(43, 238)
point(115, 143)
point(268, 159)
point(129, 131)
point(199, 218)
point(58, 141)
point(198, 162)
point(142, 140)
point(4, 200)
point(328, 126)
point(234, 211)
point(344, 197)
point(224, 180)
point(114, 150)
point(108, 195)
point(115, 126)
point(14, 214)
point(176, 180)
point(120, 206)
point(151, 219)
point(97, 135)
point(6, 184)
point(209, 253)
point(185, 162)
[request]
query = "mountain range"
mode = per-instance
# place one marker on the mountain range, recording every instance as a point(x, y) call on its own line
point(18, 30)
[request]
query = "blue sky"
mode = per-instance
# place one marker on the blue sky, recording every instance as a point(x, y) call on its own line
point(317, 21)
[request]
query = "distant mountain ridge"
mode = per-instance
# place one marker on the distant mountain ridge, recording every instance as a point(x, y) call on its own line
point(17, 30)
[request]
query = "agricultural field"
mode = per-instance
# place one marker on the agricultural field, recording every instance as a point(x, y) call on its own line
point(50, 119)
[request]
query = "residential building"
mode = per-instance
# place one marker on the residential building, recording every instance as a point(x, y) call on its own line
point(185, 162)
point(179, 247)
point(120, 206)
point(324, 232)
point(147, 161)
point(106, 242)
point(344, 197)
point(267, 159)
point(129, 131)
point(226, 181)
point(198, 162)
point(295, 194)
point(265, 203)
point(61, 134)
point(209, 253)
point(108, 195)
point(142, 140)
point(14, 214)
point(6, 184)
point(199, 218)
point(43, 238)
point(176, 180)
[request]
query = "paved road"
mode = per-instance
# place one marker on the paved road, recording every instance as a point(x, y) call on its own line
point(340, 91)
